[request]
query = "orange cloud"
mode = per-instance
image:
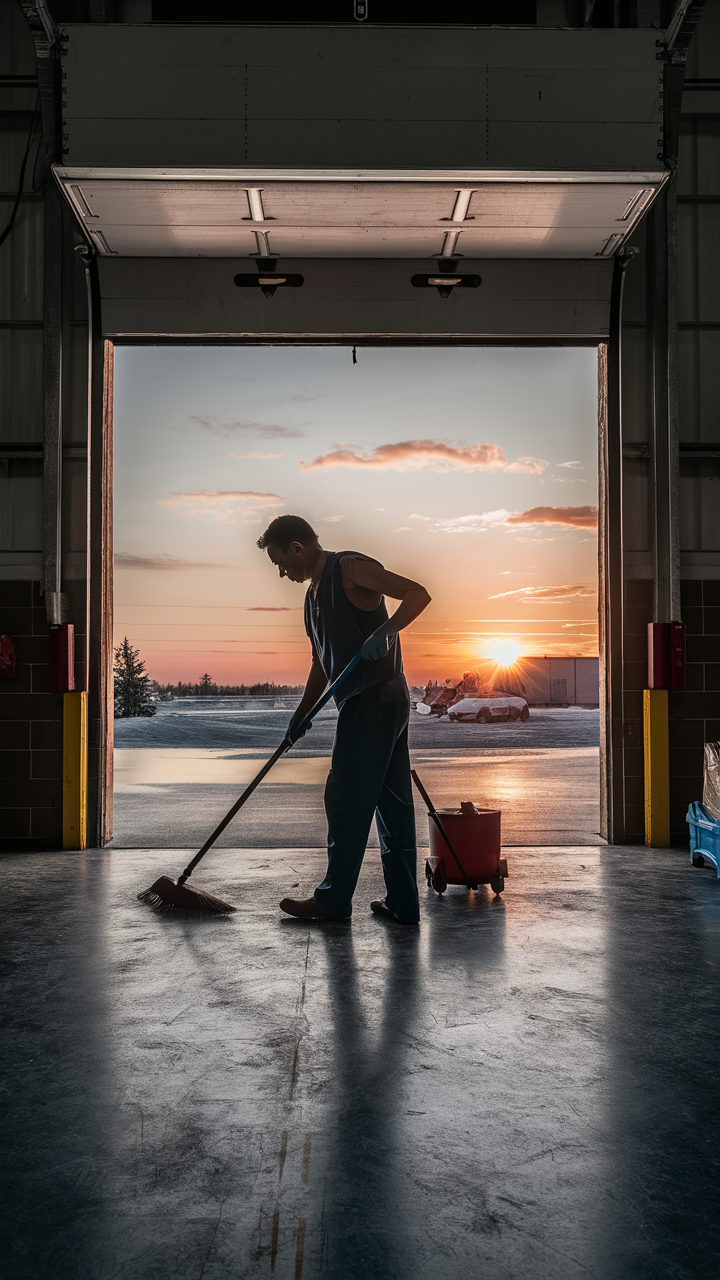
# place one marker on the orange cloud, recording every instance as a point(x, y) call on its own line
point(548, 595)
point(220, 504)
point(407, 454)
point(574, 517)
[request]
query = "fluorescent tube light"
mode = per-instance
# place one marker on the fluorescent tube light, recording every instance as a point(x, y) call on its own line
point(451, 239)
point(462, 204)
point(255, 204)
point(640, 197)
point(611, 244)
point(263, 245)
point(101, 243)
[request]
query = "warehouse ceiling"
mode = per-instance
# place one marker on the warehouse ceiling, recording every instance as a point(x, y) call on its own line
point(341, 214)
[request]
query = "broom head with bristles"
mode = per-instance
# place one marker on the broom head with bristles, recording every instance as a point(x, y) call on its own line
point(166, 895)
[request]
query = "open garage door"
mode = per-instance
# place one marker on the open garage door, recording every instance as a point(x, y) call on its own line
point(269, 185)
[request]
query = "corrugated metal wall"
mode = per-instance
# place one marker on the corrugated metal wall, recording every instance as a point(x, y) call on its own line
point(43, 320)
point(21, 306)
point(695, 714)
point(699, 306)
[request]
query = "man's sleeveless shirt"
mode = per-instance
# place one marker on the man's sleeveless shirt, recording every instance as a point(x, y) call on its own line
point(338, 630)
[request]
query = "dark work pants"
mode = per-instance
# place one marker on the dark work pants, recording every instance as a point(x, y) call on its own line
point(370, 774)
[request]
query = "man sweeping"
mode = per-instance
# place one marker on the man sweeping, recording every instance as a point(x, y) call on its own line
point(345, 614)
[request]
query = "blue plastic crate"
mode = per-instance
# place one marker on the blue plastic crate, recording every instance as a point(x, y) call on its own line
point(704, 836)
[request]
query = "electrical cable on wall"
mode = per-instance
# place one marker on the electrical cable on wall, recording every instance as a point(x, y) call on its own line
point(23, 166)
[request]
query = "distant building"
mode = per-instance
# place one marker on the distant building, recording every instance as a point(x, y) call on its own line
point(550, 681)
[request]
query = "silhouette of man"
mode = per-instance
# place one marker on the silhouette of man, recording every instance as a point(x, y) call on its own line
point(345, 613)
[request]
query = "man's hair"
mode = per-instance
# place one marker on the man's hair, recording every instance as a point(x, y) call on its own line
point(286, 529)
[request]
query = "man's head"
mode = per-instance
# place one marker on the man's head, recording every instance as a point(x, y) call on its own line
point(292, 545)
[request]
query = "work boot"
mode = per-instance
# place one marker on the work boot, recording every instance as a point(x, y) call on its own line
point(379, 908)
point(307, 909)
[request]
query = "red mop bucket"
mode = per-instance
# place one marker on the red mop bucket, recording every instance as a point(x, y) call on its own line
point(475, 837)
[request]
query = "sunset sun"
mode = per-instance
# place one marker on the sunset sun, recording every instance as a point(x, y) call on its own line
point(505, 652)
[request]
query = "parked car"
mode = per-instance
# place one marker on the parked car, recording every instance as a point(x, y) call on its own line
point(489, 710)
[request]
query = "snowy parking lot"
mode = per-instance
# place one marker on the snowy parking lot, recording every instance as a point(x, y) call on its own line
point(226, 723)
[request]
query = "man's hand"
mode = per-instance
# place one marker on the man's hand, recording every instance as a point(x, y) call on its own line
point(314, 689)
point(376, 645)
point(292, 733)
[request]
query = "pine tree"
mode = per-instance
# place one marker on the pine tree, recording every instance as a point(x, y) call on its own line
point(206, 685)
point(132, 695)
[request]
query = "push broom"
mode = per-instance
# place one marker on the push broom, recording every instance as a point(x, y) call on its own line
point(176, 895)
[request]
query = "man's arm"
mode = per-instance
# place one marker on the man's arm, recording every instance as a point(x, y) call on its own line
point(413, 597)
point(315, 686)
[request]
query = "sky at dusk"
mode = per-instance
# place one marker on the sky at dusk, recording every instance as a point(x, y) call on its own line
point(471, 470)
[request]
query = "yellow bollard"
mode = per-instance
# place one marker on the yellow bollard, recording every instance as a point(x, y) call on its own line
point(75, 765)
point(657, 768)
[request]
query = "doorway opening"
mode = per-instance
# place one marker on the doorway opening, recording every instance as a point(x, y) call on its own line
point(470, 469)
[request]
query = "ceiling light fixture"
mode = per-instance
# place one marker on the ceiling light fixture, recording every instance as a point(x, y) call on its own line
point(462, 204)
point(612, 243)
point(266, 279)
point(255, 204)
point(640, 198)
point(101, 243)
point(447, 280)
point(263, 244)
point(451, 239)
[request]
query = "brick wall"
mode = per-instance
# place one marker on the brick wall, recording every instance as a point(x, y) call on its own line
point(30, 728)
point(695, 712)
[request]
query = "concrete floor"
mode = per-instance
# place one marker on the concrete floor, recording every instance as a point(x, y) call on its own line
point(523, 1087)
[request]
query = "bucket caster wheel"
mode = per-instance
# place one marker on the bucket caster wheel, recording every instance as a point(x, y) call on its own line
point(474, 886)
point(698, 860)
point(498, 885)
point(438, 881)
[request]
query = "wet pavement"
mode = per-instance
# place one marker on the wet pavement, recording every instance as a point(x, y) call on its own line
point(177, 797)
point(525, 1086)
point(179, 772)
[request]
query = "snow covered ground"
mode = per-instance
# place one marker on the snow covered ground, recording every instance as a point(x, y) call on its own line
point(226, 723)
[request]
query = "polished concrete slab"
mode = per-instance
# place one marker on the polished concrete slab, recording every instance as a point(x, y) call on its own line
point(522, 1087)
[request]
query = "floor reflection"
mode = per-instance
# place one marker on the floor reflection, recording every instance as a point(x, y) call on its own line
point(662, 1028)
point(373, 1006)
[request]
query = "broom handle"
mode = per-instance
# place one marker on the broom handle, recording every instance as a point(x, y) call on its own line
point(328, 694)
point(434, 815)
point(285, 745)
